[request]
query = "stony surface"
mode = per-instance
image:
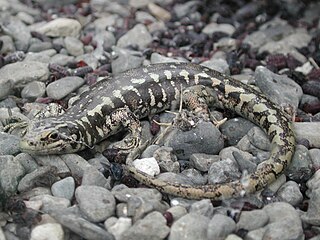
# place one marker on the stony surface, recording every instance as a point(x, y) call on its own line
point(52, 51)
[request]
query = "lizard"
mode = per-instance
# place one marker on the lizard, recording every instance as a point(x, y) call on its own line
point(118, 103)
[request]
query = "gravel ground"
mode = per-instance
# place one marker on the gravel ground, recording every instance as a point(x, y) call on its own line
point(51, 51)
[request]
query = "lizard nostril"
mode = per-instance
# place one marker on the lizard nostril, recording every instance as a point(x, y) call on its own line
point(31, 143)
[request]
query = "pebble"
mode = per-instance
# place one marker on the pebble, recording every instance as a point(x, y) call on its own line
point(190, 226)
point(61, 27)
point(222, 171)
point(64, 188)
point(72, 219)
point(92, 176)
point(315, 157)
point(308, 131)
point(9, 144)
point(61, 59)
point(218, 64)
point(33, 90)
point(177, 212)
point(203, 207)
point(251, 220)
point(147, 165)
point(64, 86)
point(117, 226)
point(124, 59)
point(7, 44)
point(74, 46)
point(183, 9)
point(197, 140)
point(220, 226)
point(20, 73)
point(312, 216)
point(152, 226)
point(158, 58)
point(290, 193)
point(55, 161)
point(215, 27)
point(40, 232)
point(159, 12)
point(236, 128)
point(138, 35)
point(11, 171)
point(142, 17)
point(14, 27)
point(300, 168)
point(42, 176)
point(202, 161)
point(167, 159)
point(28, 162)
point(99, 206)
point(51, 203)
point(281, 89)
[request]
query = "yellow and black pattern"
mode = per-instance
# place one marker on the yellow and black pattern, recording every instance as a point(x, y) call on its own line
point(120, 102)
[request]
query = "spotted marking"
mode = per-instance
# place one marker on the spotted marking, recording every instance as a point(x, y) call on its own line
point(155, 77)
point(138, 80)
point(168, 74)
point(152, 98)
point(198, 75)
point(185, 75)
point(107, 101)
point(117, 94)
point(164, 95)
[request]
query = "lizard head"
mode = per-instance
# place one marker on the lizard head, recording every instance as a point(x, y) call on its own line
point(48, 136)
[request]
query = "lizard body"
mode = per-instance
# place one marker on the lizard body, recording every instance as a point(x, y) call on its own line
point(115, 103)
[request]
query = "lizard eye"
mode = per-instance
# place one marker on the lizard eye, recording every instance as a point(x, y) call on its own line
point(53, 136)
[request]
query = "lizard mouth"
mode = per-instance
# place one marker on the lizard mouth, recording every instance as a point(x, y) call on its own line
point(40, 148)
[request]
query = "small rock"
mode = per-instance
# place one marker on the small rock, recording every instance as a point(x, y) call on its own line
point(93, 176)
point(190, 226)
point(61, 59)
point(202, 161)
point(11, 171)
point(195, 176)
point(40, 232)
point(223, 171)
point(64, 188)
point(315, 157)
point(166, 159)
point(312, 216)
point(20, 73)
point(74, 46)
point(153, 226)
point(9, 144)
point(197, 140)
point(149, 151)
point(7, 44)
point(184, 9)
point(120, 226)
point(281, 89)
point(138, 3)
point(143, 17)
point(75, 163)
point(42, 176)
point(158, 58)
point(124, 59)
point(203, 207)
point(71, 218)
point(159, 12)
point(236, 128)
point(284, 222)
point(290, 193)
point(251, 220)
point(220, 226)
point(300, 169)
point(177, 212)
point(314, 182)
point(62, 87)
point(33, 90)
point(138, 35)
point(51, 203)
point(215, 27)
point(147, 165)
point(61, 27)
point(308, 131)
point(28, 163)
point(55, 161)
point(95, 202)
point(218, 64)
